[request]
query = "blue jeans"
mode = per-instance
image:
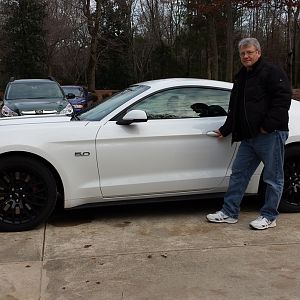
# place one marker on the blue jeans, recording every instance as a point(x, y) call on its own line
point(266, 148)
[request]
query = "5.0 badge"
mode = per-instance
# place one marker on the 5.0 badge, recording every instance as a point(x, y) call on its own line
point(85, 153)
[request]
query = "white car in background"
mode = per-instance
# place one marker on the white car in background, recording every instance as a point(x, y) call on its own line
point(150, 142)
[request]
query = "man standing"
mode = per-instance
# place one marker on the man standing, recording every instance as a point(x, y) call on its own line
point(258, 117)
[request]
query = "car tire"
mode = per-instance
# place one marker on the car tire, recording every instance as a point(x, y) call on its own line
point(290, 200)
point(28, 193)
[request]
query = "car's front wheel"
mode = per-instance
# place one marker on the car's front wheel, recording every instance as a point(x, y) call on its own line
point(290, 200)
point(28, 193)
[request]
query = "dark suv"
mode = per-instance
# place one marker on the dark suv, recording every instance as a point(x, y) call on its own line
point(34, 96)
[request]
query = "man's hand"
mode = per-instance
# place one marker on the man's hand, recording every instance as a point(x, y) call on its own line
point(263, 131)
point(217, 131)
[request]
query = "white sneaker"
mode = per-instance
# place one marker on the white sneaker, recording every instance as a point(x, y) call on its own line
point(220, 217)
point(262, 223)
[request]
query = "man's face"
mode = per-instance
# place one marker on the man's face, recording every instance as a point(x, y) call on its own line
point(249, 56)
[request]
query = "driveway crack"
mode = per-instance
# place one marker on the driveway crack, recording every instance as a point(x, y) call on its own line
point(42, 261)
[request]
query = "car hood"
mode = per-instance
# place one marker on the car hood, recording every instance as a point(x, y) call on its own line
point(38, 119)
point(77, 99)
point(36, 106)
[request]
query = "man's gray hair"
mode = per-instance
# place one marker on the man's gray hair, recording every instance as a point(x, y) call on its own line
point(249, 42)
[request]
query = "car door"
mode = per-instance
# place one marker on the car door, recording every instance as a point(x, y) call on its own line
point(173, 151)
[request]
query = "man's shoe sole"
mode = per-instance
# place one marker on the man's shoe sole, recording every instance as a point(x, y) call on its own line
point(263, 228)
point(232, 221)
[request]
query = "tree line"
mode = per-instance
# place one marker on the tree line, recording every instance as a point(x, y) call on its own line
point(109, 44)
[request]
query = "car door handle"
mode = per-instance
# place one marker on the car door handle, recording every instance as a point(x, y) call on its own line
point(212, 133)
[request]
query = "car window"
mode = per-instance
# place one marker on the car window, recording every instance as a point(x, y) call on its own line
point(98, 112)
point(77, 91)
point(33, 90)
point(187, 102)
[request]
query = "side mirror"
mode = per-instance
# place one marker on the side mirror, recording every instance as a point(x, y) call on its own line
point(133, 116)
point(70, 96)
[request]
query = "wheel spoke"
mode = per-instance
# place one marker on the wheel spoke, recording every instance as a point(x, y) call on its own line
point(296, 198)
point(291, 192)
point(22, 195)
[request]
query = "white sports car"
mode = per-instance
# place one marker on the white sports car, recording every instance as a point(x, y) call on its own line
point(150, 142)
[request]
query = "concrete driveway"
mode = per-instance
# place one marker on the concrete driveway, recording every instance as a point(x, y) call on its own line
point(154, 251)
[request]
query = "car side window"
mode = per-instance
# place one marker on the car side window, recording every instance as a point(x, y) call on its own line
point(187, 102)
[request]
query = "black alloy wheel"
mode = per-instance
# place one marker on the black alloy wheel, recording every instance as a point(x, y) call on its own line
point(27, 193)
point(290, 200)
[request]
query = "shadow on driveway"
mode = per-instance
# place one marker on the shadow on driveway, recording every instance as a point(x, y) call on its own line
point(73, 217)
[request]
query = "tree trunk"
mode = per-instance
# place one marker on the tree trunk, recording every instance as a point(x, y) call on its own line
point(91, 67)
point(296, 47)
point(229, 42)
point(213, 47)
point(93, 21)
point(289, 46)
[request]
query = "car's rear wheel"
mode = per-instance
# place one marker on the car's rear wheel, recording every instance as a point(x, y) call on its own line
point(290, 200)
point(28, 193)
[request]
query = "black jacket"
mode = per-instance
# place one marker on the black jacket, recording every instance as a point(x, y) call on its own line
point(259, 98)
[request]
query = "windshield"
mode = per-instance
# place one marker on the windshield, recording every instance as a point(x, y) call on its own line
point(77, 91)
point(104, 108)
point(34, 90)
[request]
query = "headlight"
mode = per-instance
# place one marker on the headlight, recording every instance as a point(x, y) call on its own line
point(79, 106)
point(68, 110)
point(7, 112)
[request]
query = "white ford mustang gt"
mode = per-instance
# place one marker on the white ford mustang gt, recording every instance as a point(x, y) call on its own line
point(150, 142)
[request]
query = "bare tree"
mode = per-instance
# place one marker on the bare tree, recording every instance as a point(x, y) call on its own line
point(66, 41)
point(92, 14)
point(296, 47)
point(213, 57)
point(154, 38)
point(229, 41)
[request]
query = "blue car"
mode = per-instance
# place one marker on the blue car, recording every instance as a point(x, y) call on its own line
point(78, 96)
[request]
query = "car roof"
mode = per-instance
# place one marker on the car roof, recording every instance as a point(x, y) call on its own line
point(173, 82)
point(32, 80)
point(72, 86)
